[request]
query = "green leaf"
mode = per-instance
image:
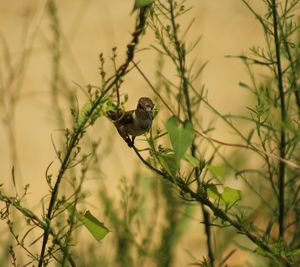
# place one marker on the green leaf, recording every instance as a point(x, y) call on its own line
point(218, 171)
point(192, 160)
point(231, 195)
point(168, 161)
point(181, 136)
point(94, 226)
point(213, 193)
point(141, 3)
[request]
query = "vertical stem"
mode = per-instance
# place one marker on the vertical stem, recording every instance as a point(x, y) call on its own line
point(282, 145)
point(180, 50)
point(207, 228)
point(54, 195)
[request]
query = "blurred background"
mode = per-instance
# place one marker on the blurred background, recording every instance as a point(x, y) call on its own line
point(87, 28)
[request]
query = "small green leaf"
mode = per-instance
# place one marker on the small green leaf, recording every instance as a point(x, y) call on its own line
point(94, 226)
point(213, 193)
point(216, 170)
point(181, 136)
point(141, 3)
point(168, 161)
point(231, 195)
point(192, 160)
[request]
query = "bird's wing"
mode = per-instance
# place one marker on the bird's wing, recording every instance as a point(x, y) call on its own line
point(126, 118)
point(122, 118)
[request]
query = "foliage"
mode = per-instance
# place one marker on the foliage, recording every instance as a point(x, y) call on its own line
point(187, 168)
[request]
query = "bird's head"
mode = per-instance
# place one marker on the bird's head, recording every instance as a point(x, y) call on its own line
point(146, 104)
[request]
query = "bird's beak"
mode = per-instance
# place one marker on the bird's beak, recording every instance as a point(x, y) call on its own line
point(148, 109)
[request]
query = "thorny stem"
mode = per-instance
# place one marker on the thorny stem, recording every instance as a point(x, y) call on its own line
point(282, 145)
point(78, 131)
point(181, 55)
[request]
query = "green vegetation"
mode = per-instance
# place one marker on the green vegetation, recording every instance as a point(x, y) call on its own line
point(183, 169)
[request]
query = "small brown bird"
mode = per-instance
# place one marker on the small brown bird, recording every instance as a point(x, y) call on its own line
point(134, 122)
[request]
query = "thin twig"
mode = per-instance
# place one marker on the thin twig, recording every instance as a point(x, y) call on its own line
point(218, 212)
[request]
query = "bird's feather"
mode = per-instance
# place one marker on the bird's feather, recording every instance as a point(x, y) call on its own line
point(126, 118)
point(121, 118)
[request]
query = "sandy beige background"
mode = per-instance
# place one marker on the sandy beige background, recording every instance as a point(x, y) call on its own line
point(90, 27)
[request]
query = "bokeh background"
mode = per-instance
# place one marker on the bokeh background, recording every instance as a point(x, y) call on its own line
point(89, 27)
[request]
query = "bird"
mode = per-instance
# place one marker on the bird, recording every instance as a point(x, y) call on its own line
point(133, 123)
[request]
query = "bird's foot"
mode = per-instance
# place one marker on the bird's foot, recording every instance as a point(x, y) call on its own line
point(129, 141)
point(130, 144)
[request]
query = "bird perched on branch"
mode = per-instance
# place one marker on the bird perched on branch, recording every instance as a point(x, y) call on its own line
point(134, 122)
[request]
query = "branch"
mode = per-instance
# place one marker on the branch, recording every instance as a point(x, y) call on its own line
point(39, 223)
point(79, 130)
point(181, 57)
point(219, 213)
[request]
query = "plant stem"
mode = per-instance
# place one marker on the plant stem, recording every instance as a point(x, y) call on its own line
point(78, 131)
point(54, 193)
point(38, 222)
point(200, 197)
point(282, 145)
point(181, 55)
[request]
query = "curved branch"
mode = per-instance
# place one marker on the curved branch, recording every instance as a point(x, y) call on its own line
point(202, 198)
